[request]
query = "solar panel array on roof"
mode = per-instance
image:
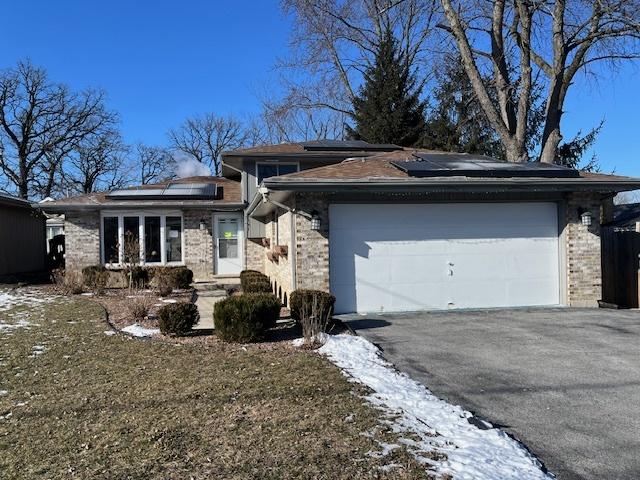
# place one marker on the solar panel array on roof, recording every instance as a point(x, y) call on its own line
point(194, 191)
point(348, 145)
point(460, 164)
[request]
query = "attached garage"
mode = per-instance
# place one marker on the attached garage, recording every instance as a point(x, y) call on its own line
point(387, 257)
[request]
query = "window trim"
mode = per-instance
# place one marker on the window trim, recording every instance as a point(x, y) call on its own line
point(141, 214)
point(276, 164)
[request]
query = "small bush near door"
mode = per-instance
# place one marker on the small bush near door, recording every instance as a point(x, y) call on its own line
point(254, 282)
point(245, 318)
point(177, 318)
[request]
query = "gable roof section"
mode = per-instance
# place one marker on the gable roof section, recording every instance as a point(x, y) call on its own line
point(7, 200)
point(384, 170)
point(229, 195)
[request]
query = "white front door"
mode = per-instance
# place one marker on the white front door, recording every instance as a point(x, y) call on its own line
point(403, 257)
point(228, 243)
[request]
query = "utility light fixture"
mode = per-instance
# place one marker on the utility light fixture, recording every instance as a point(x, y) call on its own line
point(203, 224)
point(586, 218)
point(315, 221)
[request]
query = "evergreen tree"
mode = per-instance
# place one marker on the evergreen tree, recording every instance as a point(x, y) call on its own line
point(388, 108)
point(457, 123)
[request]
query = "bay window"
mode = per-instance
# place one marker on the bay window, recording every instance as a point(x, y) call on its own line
point(145, 238)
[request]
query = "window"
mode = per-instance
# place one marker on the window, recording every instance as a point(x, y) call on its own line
point(152, 240)
point(266, 170)
point(228, 238)
point(174, 239)
point(130, 238)
point(110, 239)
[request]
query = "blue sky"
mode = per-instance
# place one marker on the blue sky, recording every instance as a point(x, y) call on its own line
point(161, 61)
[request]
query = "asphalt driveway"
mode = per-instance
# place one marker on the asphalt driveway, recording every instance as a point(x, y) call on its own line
point(566, 382)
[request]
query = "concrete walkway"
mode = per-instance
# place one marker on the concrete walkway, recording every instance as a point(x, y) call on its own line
point(564, 381)
point(207, 295)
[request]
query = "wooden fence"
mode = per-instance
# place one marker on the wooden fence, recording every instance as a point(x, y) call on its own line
point(620, 266)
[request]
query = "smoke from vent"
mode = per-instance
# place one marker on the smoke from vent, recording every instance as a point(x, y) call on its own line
point(186, 166)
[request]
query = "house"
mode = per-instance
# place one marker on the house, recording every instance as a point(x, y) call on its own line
point(22, 237)
point(382, 227)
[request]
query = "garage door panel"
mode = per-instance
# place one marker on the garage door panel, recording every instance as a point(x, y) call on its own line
point(400, 257)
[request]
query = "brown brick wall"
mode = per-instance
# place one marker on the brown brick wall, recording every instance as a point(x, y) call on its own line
point(254, 255)
point(198, 244)
point(82, 239)
point(583, 250)
point(312, 259)
point(280, 269)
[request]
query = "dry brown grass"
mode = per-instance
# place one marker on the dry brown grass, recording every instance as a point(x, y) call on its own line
point(110, 407)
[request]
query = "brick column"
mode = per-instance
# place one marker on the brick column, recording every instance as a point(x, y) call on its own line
point(82, 239)
point(583, 251)
point(312, 261)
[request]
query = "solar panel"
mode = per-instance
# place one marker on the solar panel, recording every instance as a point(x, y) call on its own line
point(348, 145)
point(194, 191)
point(460, 164)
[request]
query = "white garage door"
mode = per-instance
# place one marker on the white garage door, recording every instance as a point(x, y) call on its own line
point(404, 257)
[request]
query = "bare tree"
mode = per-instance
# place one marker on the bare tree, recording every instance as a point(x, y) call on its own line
point(523, 45)
point(285, 123)
point(98, 163)
point(152, 163)
point(40, 122)
point(332, 44)
point(206, 137)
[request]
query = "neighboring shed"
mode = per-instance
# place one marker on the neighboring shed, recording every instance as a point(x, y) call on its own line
point(22, 237)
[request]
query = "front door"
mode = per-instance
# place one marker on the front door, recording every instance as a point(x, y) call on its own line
point(228, 243)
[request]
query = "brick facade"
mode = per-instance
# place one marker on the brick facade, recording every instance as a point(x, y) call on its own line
point(583, 251)
point(581, 245)
point(254, 255)
point(82, 239)
point(279, 269)
point(198, 244)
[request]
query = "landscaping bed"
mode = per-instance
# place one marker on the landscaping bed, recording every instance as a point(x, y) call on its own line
point(77, 403)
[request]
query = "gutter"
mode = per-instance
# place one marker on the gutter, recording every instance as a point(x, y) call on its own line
point(420, 184)
point(223, 207)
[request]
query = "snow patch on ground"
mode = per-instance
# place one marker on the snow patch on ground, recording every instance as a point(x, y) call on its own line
point(21, 318)
point(109, 333)
point(139, 331)
point(17, 298)
point(472, 453)
point(4, 392)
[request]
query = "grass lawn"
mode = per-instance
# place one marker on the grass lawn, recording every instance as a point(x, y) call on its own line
point(96, 406)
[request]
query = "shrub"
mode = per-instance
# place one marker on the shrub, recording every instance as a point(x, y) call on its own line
point(313, 309)
point(139, 307)
point(254, 282)
point(249, 273)
point(245, 318)
point(177, 318)
point(302, 296)
point(181, 277)
point(95, 277)
point(68, 282)
point(139, 277)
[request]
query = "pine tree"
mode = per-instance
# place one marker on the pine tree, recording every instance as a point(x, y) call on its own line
point(388, 108)
point(457, 123)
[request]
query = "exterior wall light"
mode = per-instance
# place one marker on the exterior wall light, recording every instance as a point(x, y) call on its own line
point(586, 218)
point(203, 224)
point(315, 221)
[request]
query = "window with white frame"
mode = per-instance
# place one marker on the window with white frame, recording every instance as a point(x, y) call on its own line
point(145, 238)
point(266, 170)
